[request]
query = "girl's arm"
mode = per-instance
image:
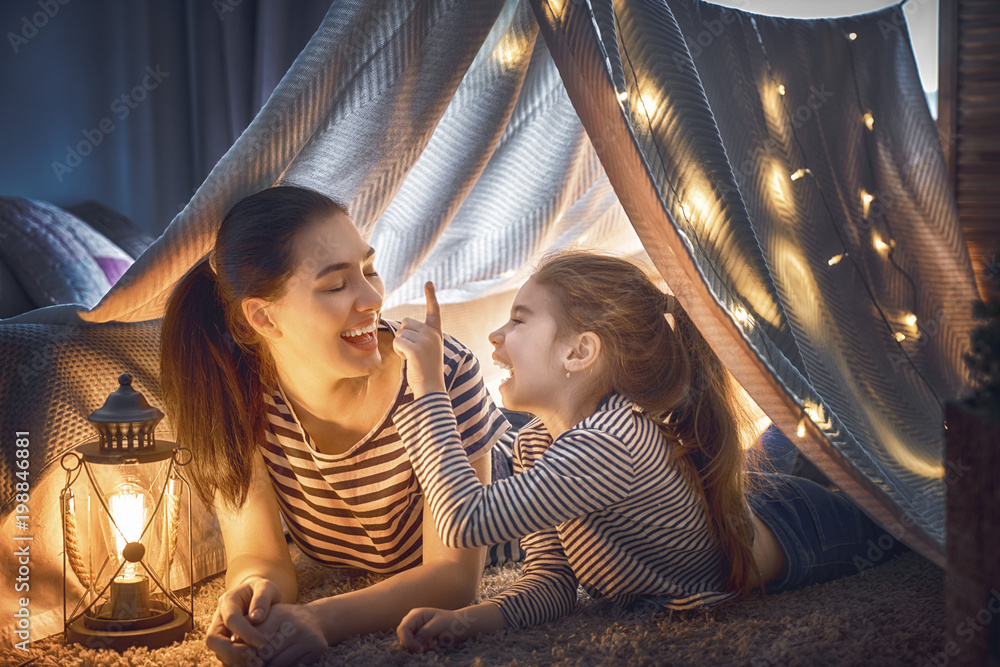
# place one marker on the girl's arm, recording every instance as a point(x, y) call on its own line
point(545, 591)
point(584, 471)
point(448, 578)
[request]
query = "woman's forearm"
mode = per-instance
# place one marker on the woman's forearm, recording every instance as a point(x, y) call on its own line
point(247, 566)
point(383, 605)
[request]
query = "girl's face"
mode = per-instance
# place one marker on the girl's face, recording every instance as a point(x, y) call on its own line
point(528, 347)
point(326, 318)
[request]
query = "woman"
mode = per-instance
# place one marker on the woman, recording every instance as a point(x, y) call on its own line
point(280, 376)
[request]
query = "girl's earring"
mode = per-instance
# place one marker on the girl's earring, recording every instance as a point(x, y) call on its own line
point(567, 373)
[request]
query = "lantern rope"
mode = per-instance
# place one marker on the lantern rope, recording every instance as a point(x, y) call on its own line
point(171, 528)
point(73, 547)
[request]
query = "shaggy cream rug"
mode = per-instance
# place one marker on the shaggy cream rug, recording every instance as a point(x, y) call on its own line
point(889, 615)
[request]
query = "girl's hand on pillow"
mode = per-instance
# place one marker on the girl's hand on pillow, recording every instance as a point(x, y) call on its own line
point(426, 629)
point(421, 344)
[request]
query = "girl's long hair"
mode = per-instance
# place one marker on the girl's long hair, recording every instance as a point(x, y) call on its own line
point(674, 376)
point(214, 368)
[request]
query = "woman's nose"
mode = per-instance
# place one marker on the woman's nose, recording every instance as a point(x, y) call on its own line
point(371, 298)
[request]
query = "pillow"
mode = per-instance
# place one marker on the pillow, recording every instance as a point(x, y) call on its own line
point(13, 300)
point(54, 256)
point(114, 226)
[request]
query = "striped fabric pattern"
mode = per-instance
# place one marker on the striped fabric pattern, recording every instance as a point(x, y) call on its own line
point(364, 508)
point(600, 506)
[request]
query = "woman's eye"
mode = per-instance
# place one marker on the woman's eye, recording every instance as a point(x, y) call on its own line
point(516, 321)
point(372, 273)
point(338, 288)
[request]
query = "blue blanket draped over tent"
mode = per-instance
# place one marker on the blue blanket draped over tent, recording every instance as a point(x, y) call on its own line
point(467, 138)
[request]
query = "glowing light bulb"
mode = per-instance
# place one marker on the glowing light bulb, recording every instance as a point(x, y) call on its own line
point(910, 320)
point(650, 101)
point(866, 203)
point(852, 36)
point(781, 89)
point(799, 173)
point(128, 511)
point(835, 259)
point(880, 244)
point(869, 120)
point(509, 52)
point(622, 96)
point(899, 336)
point(801, 430)
point(742, 316)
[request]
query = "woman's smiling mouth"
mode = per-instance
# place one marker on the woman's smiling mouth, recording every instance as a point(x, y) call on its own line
point(363, 336)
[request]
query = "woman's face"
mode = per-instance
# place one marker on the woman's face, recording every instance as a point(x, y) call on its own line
point(325, 321)
point(528, 347)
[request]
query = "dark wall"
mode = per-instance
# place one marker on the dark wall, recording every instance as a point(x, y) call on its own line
point(127, 102)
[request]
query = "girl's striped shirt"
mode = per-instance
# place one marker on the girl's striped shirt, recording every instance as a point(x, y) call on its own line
point(364, 508)
point(600, 506)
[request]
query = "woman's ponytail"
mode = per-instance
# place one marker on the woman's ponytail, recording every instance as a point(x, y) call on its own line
point(213, 398)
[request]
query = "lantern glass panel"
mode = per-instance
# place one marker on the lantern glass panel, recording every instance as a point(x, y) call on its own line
point(129, 505)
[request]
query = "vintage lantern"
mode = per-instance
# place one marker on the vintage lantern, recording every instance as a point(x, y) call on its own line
point(121, 526)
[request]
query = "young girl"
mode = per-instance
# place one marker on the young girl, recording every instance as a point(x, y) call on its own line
point(632, 481)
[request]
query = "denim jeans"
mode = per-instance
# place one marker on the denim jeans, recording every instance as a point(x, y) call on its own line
point(823, 535)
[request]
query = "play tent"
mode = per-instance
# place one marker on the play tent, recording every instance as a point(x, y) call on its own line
point(783, 176)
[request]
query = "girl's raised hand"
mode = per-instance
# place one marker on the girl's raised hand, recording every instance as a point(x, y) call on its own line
point(421, 344)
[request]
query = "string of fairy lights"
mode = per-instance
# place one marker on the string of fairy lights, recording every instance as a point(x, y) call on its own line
point(739, 312)
point(884, 246)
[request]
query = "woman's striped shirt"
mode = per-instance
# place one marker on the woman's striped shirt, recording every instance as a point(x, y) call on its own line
point(364, 508)
point(600, 506)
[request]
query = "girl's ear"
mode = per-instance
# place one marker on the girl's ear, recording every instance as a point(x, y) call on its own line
point(256, 312)
point(583, 353)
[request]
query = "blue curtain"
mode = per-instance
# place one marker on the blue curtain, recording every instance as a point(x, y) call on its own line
point(132, 103)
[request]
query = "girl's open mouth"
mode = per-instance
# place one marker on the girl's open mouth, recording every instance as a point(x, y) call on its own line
point(506, 367)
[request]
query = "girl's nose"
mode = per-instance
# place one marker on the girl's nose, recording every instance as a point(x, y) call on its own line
point(496, 337)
